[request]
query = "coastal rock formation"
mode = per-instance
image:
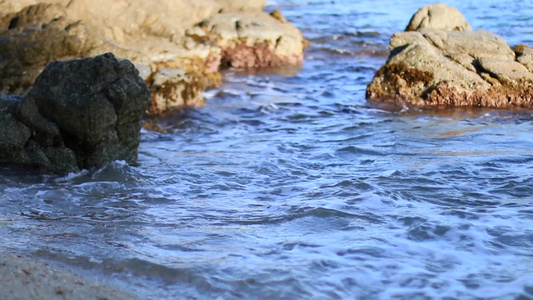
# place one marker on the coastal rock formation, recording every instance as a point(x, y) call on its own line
point(79, 114)
point(457, 67)
point(253, 40)
point(197, 37)
point(33, 37)
point(174, 88)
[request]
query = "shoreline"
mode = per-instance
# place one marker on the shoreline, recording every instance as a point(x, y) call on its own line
point(25, 277)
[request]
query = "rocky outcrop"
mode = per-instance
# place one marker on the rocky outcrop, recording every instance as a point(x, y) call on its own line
point(79, 114)
point(253, 40)
point(197, 37)
point(444, 63)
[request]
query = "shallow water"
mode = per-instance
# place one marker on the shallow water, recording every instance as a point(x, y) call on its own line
point(289, 185)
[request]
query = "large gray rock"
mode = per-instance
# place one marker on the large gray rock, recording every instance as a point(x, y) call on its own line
point(174, 88)
point(79, 114)
point(524, 55)
point(434, 67)
point(33, 37)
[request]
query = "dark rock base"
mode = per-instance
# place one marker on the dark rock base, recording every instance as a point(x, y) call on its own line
point(79, 114)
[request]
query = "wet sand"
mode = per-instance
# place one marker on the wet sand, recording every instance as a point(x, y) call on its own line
point(27, 279)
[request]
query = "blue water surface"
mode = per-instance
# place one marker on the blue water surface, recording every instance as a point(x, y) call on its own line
point(288, 185)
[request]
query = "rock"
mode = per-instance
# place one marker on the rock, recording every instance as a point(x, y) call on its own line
point(524, 55)
point(14, 134)
point(438, 16)
point(503, 69)
point(173, 88)
point(434, 67)
point(79, 114)
point(254, 40)
point(155, 35)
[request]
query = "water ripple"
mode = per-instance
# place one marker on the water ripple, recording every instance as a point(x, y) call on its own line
point(289, 185)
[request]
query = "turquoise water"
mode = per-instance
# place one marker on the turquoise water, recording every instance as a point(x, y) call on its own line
point(288, 185)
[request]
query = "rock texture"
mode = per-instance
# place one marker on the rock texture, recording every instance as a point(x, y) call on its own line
point(33, 37)
point(453, 66)
point(174, 88)
point(438, 16)
point(253, 40)
point(79, 114)
point(196, 36)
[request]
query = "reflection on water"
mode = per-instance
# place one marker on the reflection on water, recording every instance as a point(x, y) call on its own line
point(289, 185)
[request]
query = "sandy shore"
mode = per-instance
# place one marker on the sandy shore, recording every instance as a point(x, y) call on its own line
point(26, 279)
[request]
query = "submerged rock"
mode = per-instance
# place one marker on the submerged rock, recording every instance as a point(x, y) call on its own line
point(155, 35)
point(451, 67)
point(79, 114)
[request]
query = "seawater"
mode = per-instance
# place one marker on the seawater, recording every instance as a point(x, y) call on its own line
point(288, 185)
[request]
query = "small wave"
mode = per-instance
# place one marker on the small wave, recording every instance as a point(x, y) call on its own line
point(359, 150)
point(318, 212)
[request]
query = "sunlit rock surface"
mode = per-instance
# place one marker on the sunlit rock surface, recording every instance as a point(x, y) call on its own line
point(453, 66)
point(438, 16)
point(254, 40)
point(198, 37)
